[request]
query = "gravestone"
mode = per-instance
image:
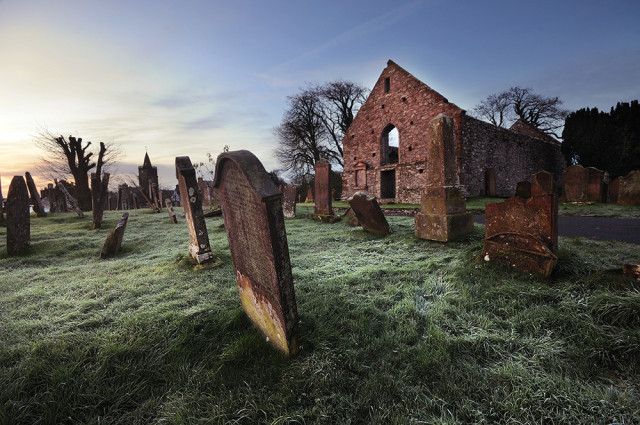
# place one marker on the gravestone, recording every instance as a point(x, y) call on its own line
point(629, 188)
point(38, 208)
point(68, 198)
point(523, 189)
point(323, 210)
point(114, 239)
point(289, 201)
point(199, 247)
point(631, 270)
point(443, 214)
point(253, 218)
point(575, 180)
point(595, 182)
point(172, 214)
point(523, 233)
point(53, 199)
point(18, 217)
point(542, 183)
point(309, 195)
point(369, 214)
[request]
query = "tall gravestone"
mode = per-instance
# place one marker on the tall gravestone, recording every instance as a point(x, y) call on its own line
point(38, 208)
point(253, 218)
point(323, 203)
point(18, 219)
point(289, 201)
point(443, 214)
point(199, 247)
point(113, 242)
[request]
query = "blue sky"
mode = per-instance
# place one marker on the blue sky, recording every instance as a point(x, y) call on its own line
point(188, 77)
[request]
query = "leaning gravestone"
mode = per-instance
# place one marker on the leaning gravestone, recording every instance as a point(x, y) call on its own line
point(114, 238)
point(369, 214)
point(289, 201)
point(443, 214)
point(74, 203)
point(523, 233)
point(199, 247)
point(253, 218)
point(323, 209)
point(38, 208)
point(172, 214)
point(18, 219)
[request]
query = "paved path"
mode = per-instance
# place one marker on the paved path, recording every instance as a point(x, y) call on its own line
point(600, 228)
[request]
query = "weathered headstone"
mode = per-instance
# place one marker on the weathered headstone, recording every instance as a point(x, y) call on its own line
point(114, 239)
point(575, 180)
point(38, 208)
point(629, 188)
point(18, 218)
point(74, 203)
point(443, 216)
point(631, 270)
point(542, 183)
point(309, 195)
point(172, 214)
point(523, 233)
point(199, 247)
point(253, 218)
point(289, 201)
point(523, 189)
point(369, 214)
point(323, 204)
point(595, 181)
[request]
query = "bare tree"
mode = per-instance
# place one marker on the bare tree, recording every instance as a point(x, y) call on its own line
point(314, 124)
point(543, 113)
point(70, 156)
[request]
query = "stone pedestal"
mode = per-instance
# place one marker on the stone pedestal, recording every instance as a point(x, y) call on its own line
point(443, 216)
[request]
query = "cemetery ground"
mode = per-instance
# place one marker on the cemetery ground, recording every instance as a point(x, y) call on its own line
point(394, 330)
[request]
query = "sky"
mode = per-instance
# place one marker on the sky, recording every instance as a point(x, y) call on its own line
point(188, 77)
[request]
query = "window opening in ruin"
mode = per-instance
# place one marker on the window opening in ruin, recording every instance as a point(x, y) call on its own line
point(388, 184)
point(389, 145)
point(387, 84)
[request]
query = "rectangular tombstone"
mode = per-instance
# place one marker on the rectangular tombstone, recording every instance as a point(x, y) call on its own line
point(595, 181)
point(309, 197)
point(253, 218)
point(114, 239)
point(18, 217)
point(542, 183)
point(289, 201)
point(172, 214)
point(322, 189)
point(443, 214)
point(369, 214)
point(38, 208)
point(629, 188)
point(523, 233)
point(575, 180)
point(199, 247)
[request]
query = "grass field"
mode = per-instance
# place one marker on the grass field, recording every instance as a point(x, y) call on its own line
point(394, 330)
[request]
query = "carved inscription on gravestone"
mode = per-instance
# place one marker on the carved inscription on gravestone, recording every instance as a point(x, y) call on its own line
point(253, 218)
point(199, 247)
point(18, 220)
point(289, 201)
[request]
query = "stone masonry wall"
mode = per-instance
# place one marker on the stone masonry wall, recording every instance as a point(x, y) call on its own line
point(513, 157)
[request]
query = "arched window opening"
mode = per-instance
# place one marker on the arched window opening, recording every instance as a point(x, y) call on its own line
point(389, 145)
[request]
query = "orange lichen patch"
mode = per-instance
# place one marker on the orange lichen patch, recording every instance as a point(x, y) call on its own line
point(264, 316)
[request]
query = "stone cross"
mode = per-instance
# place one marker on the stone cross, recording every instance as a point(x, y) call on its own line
point(18, 218)
point(199, 247)
point(172, 214)
point(443, 216)
point(289, 201)
point(369, 213)
point(253, 218)
point(114, 238)
point(35, 196)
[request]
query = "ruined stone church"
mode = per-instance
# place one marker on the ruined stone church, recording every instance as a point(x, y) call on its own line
point(491, 160)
